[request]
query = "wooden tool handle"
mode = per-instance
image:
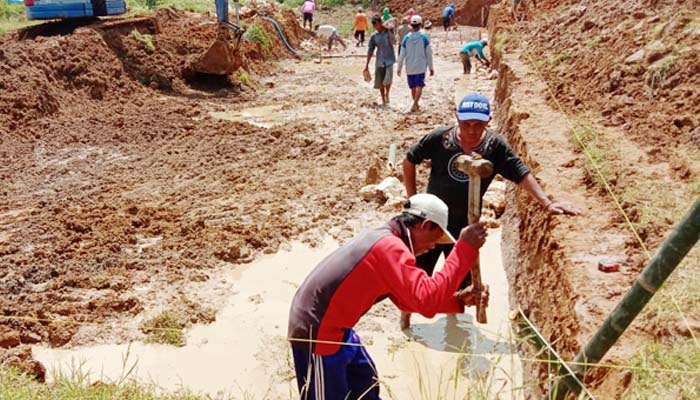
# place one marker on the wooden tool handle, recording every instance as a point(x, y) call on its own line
point(474, 214)
point(476, 280)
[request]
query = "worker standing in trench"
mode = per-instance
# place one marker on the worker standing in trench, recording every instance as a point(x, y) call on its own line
point(329, 360)
point(442, 146)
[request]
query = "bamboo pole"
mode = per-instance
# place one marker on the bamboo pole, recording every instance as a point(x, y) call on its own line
point(672, 252)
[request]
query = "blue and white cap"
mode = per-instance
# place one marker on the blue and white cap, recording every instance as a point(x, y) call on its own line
point(474, 106)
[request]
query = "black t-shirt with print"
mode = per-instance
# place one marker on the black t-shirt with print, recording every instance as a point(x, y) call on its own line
point(442, 147)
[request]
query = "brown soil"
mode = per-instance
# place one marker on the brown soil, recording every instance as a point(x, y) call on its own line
point(643, 118)
point(467, 12)
point(98, 163)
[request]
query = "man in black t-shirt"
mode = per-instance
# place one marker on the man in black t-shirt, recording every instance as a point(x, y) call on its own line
point(442, 146)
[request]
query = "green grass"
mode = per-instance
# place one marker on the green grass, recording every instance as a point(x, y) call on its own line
point(256, 33)
point(79, 385)
point(244, 77)
point(501, 41)
point(146, 39)
point(585, 138)
point(12, 17)
point(145, 6)
point(678, 355)
point(165, 328)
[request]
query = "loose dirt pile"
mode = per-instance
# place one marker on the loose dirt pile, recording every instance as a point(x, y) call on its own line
point(468, 12)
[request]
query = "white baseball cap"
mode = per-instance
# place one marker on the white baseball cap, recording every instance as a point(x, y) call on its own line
point(430, 207)
point(416, 20)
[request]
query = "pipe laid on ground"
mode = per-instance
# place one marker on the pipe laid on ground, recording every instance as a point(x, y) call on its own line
point(283, 37)
point(672, 251)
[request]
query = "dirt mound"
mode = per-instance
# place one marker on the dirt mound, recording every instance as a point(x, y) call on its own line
point(37, 78)
point(638, 68)
point(468, 12)
point(104, 61)
point(182, 37)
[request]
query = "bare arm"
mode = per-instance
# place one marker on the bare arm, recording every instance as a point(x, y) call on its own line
point(533, 188)
point(409, 177)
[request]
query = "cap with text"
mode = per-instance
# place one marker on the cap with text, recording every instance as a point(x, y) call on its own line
point(474, 106)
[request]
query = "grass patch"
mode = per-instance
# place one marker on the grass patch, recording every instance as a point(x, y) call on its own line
point(679, 355)
point(77, 385)
point(256, 33)
point(244, 77)
point(502, 38)
point(165, 328)
point(12, 17)
point(146, 6)
point(345, 29)
point(585, 138)
point(8, 10)
point(146, 39)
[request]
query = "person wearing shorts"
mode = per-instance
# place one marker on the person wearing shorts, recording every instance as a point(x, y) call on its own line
point(417, 54)
point(307, 10)
point(383, 41)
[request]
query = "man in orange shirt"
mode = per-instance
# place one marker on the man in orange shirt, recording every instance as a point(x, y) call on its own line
point(360, 27)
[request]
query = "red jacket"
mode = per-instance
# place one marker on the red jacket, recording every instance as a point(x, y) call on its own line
point(375, 265)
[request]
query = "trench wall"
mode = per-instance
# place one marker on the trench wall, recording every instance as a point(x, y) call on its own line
point(536, 267)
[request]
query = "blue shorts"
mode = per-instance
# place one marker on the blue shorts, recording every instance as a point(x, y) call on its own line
point(417, 80)
point(347, 374)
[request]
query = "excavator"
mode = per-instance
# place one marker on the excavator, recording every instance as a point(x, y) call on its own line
point(220, 59)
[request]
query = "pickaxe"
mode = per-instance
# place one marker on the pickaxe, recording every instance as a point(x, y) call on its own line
point(476, 168)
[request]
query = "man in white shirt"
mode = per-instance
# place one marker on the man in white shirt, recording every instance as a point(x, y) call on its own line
point(329, 33)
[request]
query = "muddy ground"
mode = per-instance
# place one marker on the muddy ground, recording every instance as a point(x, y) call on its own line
point(124, 184)
point(127, 184)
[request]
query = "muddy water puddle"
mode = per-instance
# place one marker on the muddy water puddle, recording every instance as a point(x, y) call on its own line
point(269, 116)
point(245, 352)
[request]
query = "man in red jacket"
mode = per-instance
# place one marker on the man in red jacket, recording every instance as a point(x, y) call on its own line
point(329, 360)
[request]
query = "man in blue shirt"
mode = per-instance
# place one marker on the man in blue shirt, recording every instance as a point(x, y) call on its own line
point(383, 41)
point(476, 49)
point(448, 16)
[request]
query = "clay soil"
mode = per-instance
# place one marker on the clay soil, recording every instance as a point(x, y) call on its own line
point(626, 77)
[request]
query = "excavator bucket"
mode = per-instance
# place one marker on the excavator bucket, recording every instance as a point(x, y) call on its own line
point(222, 57)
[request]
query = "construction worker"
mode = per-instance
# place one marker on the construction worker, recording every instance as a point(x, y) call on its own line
point(415, 50)
point(360, 27)
point(329, 359)
point(448, 16)
point(476, 49)
point(307, 10)
point(442, 146)
point(383, 41)
point(330, 34)
point(402, 31)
